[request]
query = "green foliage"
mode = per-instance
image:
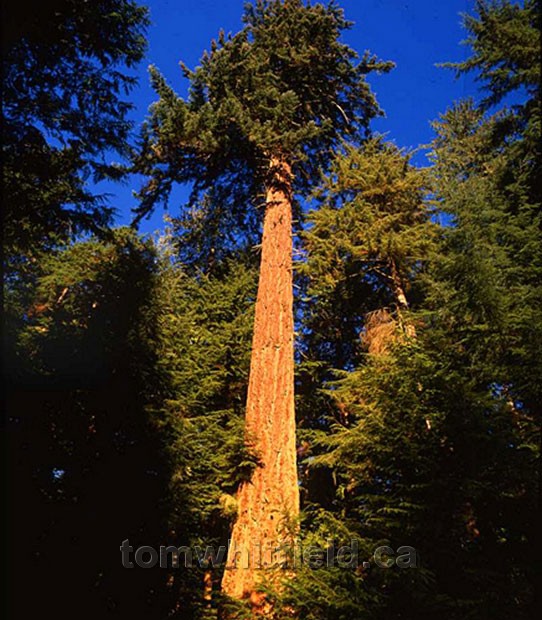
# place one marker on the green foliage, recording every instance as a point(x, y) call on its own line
point(319, 591)
point(127, 385)
point(284, 86)
point(505, 41)
point(64, 111)
point(205, 331)
point(371, 234)
point(491, 269)
point(435, 459)
point(204, 328)
point(128, 359)
point(372, 213)
point(434, 440)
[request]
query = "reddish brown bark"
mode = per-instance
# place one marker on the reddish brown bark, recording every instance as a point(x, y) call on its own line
point(272, 494)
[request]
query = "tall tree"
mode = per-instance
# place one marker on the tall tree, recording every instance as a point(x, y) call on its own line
point(434, 440)
point(371, 232)
point(505, 39)
point(266, 107)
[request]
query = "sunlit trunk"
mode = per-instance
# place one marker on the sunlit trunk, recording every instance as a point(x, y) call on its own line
point(271, 496)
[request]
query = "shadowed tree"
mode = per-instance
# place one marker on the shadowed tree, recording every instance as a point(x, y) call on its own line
point(87, 469)
point(66, 70)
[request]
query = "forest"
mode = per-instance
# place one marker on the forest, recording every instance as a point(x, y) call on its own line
point(317, 392)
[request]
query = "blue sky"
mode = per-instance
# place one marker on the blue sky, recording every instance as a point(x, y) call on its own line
point(415, 34)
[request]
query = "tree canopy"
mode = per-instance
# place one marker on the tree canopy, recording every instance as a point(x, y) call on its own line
point(418, 321)
point(66, 73)
point(284, 86)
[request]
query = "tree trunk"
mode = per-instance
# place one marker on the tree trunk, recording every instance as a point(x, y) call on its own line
point(397, 286)
point(402, 303)
point(272, 494)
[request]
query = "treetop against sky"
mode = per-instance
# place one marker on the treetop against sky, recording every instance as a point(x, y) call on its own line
point(416, 35)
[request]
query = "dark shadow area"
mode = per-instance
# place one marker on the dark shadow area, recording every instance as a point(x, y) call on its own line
point(85, 468)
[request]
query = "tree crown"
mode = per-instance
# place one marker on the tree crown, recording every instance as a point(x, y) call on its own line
point(285, 86)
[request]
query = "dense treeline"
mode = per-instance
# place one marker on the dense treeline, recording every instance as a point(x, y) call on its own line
point(418, 311)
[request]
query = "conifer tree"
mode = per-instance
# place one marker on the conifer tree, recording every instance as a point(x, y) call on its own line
point(66, 70)
point(86, 464)
point(266, 107)
point(501, 152)
point(434, 441)
point(370, 235)
point(204, 334)
point(126, 384)
point(371, 231)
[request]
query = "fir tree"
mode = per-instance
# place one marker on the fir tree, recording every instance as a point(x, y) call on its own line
point(370, 235)
point(204, 334)
point(265, 108)
point(86, 461)
point(65, 74)
point(434, 439)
